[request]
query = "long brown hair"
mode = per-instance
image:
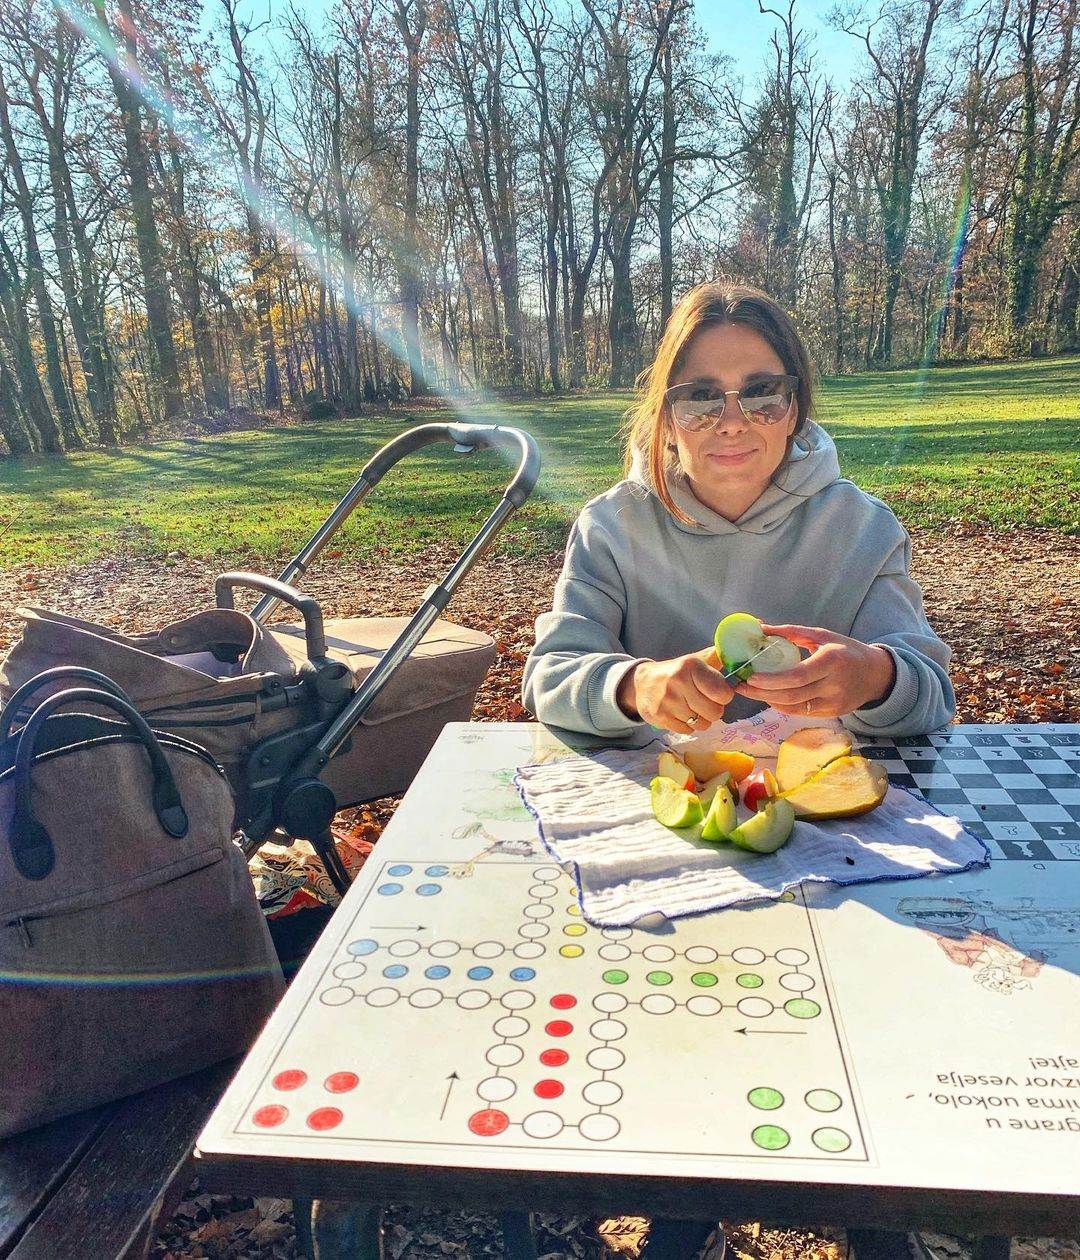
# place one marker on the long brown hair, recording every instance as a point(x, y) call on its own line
point(716, 302)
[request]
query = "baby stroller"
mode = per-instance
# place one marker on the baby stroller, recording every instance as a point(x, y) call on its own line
point(305, 718)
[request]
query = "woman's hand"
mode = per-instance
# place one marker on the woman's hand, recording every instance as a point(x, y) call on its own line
point(840, 676)
point(666, 693)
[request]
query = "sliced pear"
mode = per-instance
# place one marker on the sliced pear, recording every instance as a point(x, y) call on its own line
point(721, 819)
point(674, 768)
point(768, 830)
point(708, 791)
point(674, 806)
point(846, 786)
point(806, 752)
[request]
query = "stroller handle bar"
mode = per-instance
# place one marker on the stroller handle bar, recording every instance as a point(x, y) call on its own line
point(466, 438)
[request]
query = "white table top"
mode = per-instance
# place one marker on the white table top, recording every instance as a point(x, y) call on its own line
point(457, 1013)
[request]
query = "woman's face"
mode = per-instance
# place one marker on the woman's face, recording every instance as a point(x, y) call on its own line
point(730, 464)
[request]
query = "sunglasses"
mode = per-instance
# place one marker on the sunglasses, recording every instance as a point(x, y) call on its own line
point(698, 405)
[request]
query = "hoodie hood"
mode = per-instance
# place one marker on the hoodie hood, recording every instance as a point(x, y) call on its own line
point(810, 466)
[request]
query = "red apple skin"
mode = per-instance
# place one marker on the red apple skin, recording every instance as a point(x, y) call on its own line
point(758, 789)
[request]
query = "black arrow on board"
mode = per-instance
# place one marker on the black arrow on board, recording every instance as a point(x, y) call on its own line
point(453, 1078)
point(398, 927)
point(772, 1032)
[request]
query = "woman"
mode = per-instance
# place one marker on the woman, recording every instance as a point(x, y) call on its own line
point(733, 502)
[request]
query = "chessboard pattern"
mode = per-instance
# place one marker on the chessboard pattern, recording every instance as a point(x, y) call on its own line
point(1016, 787)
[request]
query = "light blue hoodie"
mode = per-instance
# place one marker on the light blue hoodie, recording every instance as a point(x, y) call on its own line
point(813, 550)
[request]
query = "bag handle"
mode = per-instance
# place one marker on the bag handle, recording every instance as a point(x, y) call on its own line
point(31, 845)
point(56, 674)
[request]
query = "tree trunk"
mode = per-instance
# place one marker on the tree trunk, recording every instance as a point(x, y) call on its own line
point(148, 243)
point(35, 269)
point(412, 34)
point(666, 199)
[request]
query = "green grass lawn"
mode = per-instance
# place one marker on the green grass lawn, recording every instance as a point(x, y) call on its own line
point(998, 445)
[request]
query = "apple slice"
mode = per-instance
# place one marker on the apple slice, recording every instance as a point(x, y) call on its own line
point(740, 636)
point(846, 786)
point(737, 764)
point(806, 752)
point(768, 830)
point(672, 805)
point(721, 819)
point(758, 788)
point(702, 762)
point(708, 791)
point(671, 767)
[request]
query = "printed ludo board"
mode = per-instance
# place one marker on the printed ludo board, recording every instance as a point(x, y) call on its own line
point(459, 1011)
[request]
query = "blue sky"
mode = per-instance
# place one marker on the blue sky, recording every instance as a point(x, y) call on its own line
point(735, 27)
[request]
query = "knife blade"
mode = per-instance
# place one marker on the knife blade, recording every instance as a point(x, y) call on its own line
point(732, 675)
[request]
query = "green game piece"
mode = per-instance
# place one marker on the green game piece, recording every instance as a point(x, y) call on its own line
point(824, 1100)
point(766, 1098)
point(749, 981)
point(833, 1140)
point(615, 977)
point(703, 979)
point(659, 977)
point(770, 1137)
point(802, 1008)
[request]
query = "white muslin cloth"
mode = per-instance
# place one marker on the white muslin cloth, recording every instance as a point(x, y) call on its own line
point(595, 817)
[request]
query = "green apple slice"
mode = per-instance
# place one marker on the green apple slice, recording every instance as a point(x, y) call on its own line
point(674, 806)
point(739, 637)
point(721, 819)
point(768, 830)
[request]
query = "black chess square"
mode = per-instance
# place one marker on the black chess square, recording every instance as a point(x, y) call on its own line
point(1055, 779)
point(1058, 830)
point(903, 780)
point(925, 767)
point(1031, 796)
point(1073, 811)
point(877, 752)
point(1036, 753)
point(988, 741)
point(944, 795)
point(1059, 739)
point(977, 781)
point(1030, 850)
point(1001, 813)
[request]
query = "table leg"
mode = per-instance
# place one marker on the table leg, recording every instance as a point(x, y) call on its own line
point(993, 1247)
point(302, 1221)
point(676, 1240)
point(879, 1244)
point(341, 1230)
point(519, 1241)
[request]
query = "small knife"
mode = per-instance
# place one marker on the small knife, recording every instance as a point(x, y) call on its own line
point(732, 676)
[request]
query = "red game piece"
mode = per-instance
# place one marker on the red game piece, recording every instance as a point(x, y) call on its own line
point(489, 1122)
point(548, 1089)
point(267, 1117)
point(324, 1118)
point(553, 1058)
point(292, 1078)
point(559, 1028)
point(563, 1001)
point(341, 1082)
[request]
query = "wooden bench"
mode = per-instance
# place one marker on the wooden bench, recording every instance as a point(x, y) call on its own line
point(98, 1184)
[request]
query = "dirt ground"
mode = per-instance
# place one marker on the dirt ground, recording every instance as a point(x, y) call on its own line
point(1007, 604)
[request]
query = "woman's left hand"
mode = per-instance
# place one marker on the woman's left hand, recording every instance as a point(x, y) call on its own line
point(840, 676)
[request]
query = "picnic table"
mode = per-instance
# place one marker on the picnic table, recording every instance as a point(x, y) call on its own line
point(896, 1054)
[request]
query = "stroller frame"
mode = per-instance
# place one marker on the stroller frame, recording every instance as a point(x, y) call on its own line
point(282, 788)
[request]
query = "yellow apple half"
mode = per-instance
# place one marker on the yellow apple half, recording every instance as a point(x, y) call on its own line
point(806, 752)
point(846, 786)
